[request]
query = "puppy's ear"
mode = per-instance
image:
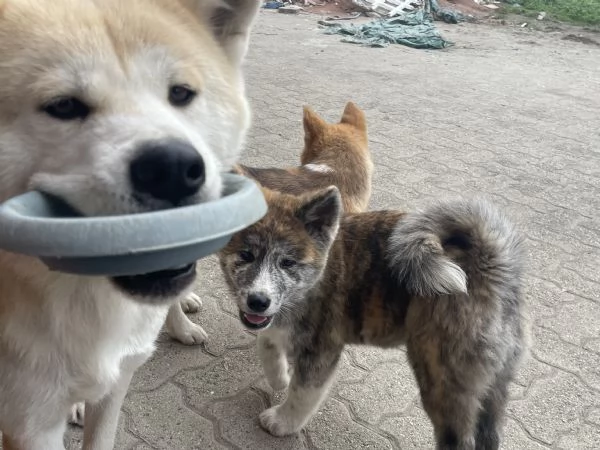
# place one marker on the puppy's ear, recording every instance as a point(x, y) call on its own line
point(320, 213)
point(231, 20)
point(314, 127)
point(354, 116)
point(313, 124)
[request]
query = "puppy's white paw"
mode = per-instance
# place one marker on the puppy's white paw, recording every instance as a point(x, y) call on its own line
point(189, 333)
point(276, 423)
point(279, 381)
point(77, 414)
point(191, 303)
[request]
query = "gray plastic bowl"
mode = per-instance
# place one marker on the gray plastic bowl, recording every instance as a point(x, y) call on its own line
point(39, 225)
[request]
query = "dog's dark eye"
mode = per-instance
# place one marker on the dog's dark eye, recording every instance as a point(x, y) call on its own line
point(246, 256)
point(66, 108)
point(181, 95)
point(287, 263)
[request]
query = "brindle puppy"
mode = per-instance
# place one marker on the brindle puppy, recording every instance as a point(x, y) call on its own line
point(446, 282)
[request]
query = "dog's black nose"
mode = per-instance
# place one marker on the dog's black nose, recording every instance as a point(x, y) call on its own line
point(258, 302)
point(167, 170)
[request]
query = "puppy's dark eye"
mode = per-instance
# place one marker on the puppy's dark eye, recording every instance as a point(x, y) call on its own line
point(181, 95)
point(287, 263)
point(66, 108)
point(246, 256)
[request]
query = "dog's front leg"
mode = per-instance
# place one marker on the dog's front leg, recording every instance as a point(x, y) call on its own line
point(180, 327)
point(48, 439)
point(312, 378)
point(272, 344)
point(101, 419)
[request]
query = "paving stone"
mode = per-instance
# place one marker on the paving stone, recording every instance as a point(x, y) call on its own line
point(551, 349)
point(182, 427)
point(586, 437)
point(238, 424)
point(389, 388)
point(594, 417)
point(553, 406)
point(584, 313)
point(518, 437)
point(333, 427)
point(370, 357)
point(412, 430)
point(169, 359)
point(223, 378)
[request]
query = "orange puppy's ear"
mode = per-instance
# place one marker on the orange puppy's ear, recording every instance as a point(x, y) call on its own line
point(314, 129)
point(354, 116)
point(313, 124)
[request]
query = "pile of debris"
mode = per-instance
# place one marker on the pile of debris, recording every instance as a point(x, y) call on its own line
point(450, 11)
point(406, 22)
point(414, 29)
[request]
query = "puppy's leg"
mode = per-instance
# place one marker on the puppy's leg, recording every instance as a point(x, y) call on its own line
point(191, 303)
point(313, 376)
point(491, 416)
point(450, 399)
point(101, 418)
point(271, 345)
point(182, 329)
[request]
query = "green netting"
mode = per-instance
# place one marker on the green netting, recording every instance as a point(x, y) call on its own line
point(414, 29)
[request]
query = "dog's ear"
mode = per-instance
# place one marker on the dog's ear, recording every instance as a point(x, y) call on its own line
point(354, 116)
point(320, 213)
point(231, 21)
point(313, 124)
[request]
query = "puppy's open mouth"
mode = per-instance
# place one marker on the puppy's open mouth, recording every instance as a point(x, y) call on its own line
point(254, 321)
point(161, 284)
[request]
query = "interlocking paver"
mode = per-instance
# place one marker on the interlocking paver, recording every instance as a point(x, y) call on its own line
point(182, 427)
point(238, 424)
point(333, 427)
point(223, 378)
point(390, 387)
point(412, 429)
point(509, 114)
point(553, 406)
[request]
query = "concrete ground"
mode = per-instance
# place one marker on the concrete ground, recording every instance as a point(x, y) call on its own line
point(508, 113)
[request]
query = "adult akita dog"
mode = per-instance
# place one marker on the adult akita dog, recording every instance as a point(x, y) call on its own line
point(116, 106)
point(446, 282)
point(334, 154)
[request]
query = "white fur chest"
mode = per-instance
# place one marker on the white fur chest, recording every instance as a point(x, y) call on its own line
point(81, 335)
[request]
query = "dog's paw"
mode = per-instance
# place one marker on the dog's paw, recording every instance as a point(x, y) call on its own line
point(189, 334)
point(191, 303)
point(279, 381)
point(77, 414)
point(276, 423)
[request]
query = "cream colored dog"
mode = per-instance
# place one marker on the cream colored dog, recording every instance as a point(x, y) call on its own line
point(116, 106)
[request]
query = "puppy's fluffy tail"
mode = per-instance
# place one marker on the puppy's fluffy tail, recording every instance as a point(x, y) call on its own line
point(456, 247)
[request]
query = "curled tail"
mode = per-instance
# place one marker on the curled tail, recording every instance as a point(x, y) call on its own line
point(456, 247)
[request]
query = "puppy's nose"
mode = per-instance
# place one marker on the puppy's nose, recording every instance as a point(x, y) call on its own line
point(258, 302)
point(167, 170)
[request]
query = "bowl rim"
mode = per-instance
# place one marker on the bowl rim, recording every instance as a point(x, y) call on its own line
point(147, 232)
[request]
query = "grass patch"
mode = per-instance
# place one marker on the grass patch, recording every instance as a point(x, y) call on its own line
point(576, 11)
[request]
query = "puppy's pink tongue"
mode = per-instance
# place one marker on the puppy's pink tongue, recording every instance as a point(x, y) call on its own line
point(253, 318)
